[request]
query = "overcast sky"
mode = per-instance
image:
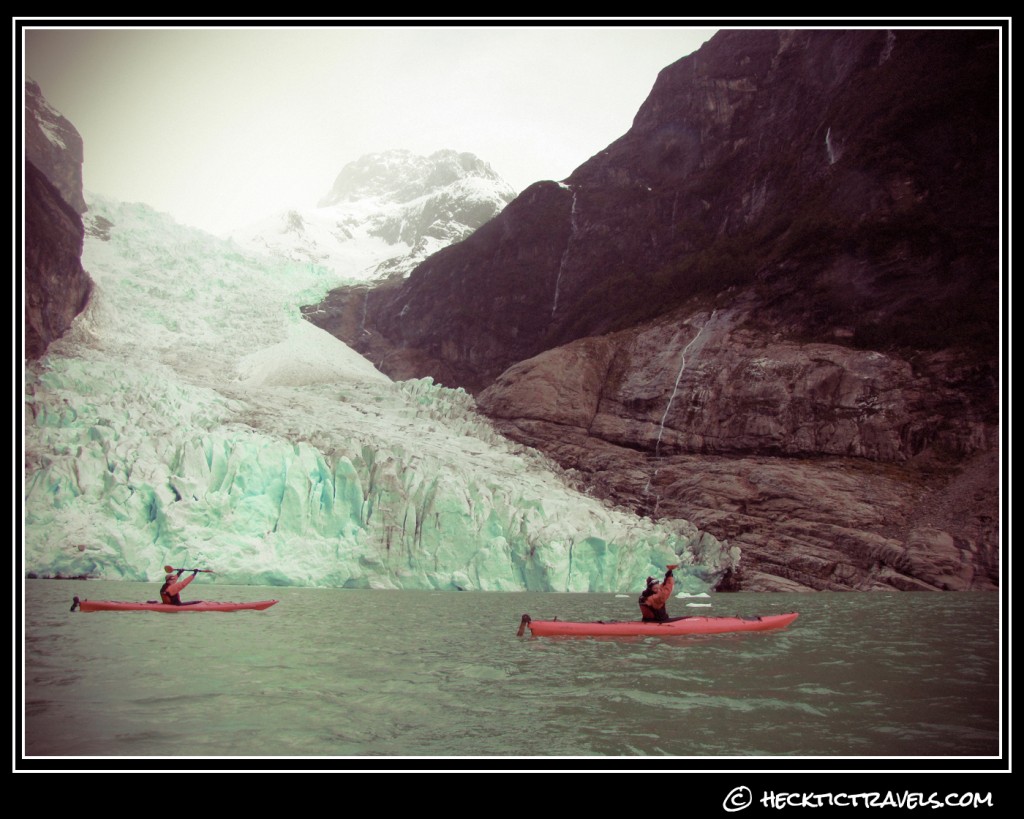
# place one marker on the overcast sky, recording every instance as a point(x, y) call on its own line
point(220, 127)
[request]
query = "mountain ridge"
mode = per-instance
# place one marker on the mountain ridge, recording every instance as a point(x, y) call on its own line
point(816, 187)
point(385, 213)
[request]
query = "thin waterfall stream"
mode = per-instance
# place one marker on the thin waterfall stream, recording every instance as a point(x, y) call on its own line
point(565, 254)
point(672, 398)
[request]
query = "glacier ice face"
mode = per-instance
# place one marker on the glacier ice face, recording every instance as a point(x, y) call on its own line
point(192, 417)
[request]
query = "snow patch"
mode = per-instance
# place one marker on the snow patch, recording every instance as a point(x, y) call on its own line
point(308, 356)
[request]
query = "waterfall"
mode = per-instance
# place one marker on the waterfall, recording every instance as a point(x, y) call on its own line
point(668, 407)
point(675, 388)
point(565, 254)
point(647, 491)
point(828, 147)
point(890, 41)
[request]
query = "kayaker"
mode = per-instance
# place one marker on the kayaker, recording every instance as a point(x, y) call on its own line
point(170, 591)
point(653, 599)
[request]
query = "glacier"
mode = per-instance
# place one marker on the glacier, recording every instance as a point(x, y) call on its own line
point(192, 417)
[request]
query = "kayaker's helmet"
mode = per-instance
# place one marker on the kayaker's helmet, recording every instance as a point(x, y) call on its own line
point(651, 581)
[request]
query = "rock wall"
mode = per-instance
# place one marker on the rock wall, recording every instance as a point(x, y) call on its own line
point(56, 286)
point(54, 146)
point(831, 468)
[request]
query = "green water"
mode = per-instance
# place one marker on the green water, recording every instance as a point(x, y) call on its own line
point(356, 674)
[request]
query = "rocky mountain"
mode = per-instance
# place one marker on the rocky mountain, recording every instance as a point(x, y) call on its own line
point(771, 307)
point(386, 213)
point(56, 286)
point(54, 146)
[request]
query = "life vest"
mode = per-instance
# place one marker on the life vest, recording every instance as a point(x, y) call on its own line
point(177, 584)
point(646, 611)
point(173, 599)
point(663, 592)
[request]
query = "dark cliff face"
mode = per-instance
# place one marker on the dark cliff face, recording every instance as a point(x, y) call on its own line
point(56, 286)
point(770, 308)
point(847, 179)
point(54, 146)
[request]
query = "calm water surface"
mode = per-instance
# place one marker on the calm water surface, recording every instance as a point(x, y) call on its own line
point(335, 673)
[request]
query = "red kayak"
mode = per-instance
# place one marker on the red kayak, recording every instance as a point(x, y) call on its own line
point(630, 628)
point(198, 605)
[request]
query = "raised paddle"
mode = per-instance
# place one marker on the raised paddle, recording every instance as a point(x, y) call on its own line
point(169, 569)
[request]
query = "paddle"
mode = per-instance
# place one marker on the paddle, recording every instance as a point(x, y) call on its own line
point(169, 569)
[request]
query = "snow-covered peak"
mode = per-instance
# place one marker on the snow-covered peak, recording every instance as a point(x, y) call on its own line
point(401, 176)
point(386, 213)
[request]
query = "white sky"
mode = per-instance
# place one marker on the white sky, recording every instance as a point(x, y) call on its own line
point(220, 127)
